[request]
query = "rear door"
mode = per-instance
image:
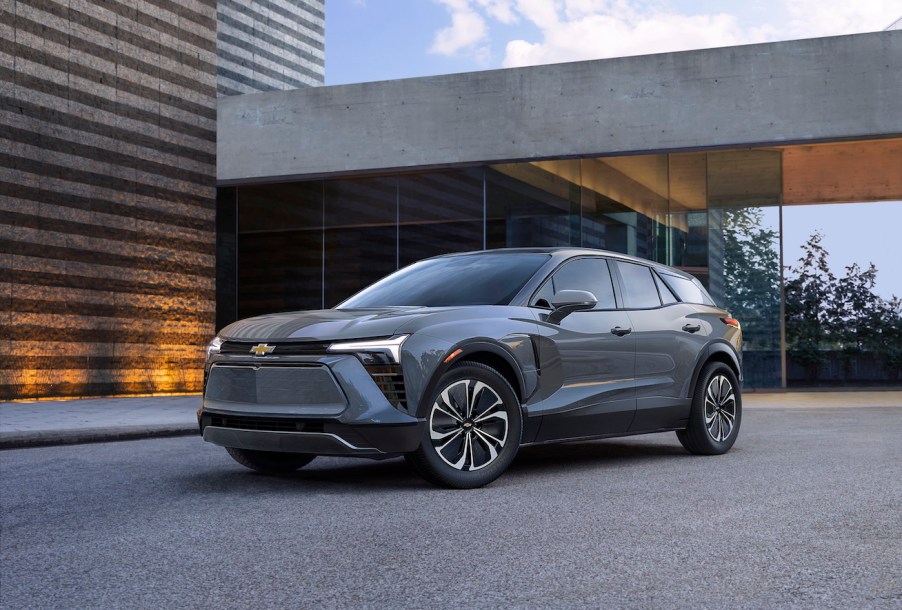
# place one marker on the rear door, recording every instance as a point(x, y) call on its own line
point(593, 352)
point(668, 342)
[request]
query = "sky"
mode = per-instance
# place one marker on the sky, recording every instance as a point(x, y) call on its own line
point(369, 40)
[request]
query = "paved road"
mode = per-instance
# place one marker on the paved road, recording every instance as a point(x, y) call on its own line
point(806, 511)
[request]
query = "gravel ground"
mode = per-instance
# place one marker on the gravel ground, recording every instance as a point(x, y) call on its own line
point(805, 511)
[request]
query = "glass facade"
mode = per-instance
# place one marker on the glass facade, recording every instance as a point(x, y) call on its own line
point(717, 215)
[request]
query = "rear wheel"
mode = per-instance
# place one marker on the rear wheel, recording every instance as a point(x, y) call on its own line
point(270, 462)
point(716, 412)
point(473, 429)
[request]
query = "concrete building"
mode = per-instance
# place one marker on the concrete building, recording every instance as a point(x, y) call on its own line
point(686, 158)
point(119, 256)
point(107, 180)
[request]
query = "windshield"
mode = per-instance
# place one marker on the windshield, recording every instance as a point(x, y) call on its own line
point(478, 279)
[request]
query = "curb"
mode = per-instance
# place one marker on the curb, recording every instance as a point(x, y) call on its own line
point(23, 440)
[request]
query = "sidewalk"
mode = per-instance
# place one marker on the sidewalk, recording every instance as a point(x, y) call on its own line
point(33, 424)
point(61, 422)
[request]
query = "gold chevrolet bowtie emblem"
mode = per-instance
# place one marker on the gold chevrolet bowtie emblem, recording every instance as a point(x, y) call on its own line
point(261, 349)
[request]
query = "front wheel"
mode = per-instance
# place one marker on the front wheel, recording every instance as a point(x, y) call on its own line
point(270, 462)
point(473, 429)
point(716, 412)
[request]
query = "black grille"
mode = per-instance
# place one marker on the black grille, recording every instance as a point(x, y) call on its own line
point(391, 381)
point(275, 385)
point(243, 348)
point(268, 424)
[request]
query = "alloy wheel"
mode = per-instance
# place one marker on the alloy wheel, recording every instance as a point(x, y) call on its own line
point(468, 425)
point(720, 408)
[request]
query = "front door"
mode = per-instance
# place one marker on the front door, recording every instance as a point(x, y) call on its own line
point(588, 359)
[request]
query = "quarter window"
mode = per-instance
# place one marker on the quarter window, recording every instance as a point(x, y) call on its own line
point(639, 291)
point(665, 292)
point(689, 291)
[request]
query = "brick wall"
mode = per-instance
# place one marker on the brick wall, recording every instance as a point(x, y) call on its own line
point(107, 188)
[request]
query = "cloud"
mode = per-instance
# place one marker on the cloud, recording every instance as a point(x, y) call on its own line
point(572, 30)
point(597, 36)
point(467, 30)
point(810, 18)
point(502, 10)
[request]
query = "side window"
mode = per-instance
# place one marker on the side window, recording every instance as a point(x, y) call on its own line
point(665, 292)
point(639, 291)
point(590, 274)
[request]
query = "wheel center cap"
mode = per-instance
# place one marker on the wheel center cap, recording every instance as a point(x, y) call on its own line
point(467, 424)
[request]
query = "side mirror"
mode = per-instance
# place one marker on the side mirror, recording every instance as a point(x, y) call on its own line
point(566, 302)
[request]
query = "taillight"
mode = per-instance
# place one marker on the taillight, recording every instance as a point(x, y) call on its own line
point(730, 322)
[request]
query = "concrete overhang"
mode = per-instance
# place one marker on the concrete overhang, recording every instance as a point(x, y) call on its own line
point(797, 92)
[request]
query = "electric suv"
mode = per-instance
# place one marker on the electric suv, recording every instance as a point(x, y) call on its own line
point(455, 362)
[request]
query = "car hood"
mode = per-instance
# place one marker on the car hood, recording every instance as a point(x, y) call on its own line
point(325, 325)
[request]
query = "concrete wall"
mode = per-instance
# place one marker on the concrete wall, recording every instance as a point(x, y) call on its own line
point(269, 45)
point(825, 89)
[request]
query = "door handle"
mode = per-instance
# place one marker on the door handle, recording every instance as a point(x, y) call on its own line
point(621, 331)
point(689, 328)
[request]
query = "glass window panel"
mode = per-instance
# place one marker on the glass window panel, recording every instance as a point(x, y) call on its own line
point(639, 290)
point(280, 245)
point(689, 291)
point(532, 204)
point(492, 278)
point(440, 212)
point(744, 194)
point(226, 256)
point(590, 274)
point(624, 201)
point(360, 236)
point(744, 178)
point(745, 279)
point(544, 296)
point(667, 296)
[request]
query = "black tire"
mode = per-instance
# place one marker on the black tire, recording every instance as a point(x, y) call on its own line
point(270, 462)
point(460, 446)
point(716, 412)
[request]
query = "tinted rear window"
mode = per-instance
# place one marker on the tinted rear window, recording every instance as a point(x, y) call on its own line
point(479, 279)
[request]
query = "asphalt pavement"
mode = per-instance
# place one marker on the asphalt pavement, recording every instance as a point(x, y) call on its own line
point(804, 512)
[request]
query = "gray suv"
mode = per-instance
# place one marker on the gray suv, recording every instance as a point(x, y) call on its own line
point(455, 362)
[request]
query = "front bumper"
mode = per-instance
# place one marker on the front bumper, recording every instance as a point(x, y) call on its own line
point(322, 405)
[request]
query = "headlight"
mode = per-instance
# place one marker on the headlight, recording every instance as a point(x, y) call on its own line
point(213, 347)
point(375, 351)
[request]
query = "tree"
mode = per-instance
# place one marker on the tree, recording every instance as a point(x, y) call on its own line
point(846, 314)
point(752, 276)
point(891, 337)
point(809, 291)
point(857, 313)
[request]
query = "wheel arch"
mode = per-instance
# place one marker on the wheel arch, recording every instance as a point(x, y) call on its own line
point(490, 354)
point(716, 352)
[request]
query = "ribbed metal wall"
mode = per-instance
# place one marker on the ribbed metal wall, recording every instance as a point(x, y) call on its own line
point(107, 188)
point(270, 45)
